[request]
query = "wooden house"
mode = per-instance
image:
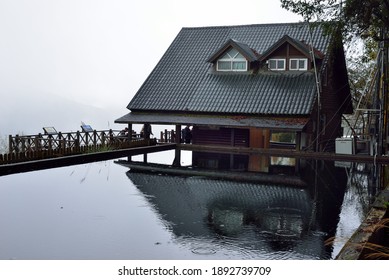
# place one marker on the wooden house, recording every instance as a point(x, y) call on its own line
point(258, 86)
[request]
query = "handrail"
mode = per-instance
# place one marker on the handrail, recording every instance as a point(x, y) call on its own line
point(28, 143)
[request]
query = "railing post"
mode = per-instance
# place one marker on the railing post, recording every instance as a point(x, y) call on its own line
point(23, 144)
point(78, 144)
point(60, 142)
point(50, 143)
point(111, 138)
point(17, 140)
point(10, 144)
point(95, 139)
point(86, 138)
point(103, 138)
point(39, 142)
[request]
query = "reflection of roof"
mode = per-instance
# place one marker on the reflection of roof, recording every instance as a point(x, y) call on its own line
point(233, 121)
point(183, 82)
point(186, 201)
point(196, 208)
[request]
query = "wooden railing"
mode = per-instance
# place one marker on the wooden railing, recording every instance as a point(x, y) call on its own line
point(168, 136)
point(34, 147)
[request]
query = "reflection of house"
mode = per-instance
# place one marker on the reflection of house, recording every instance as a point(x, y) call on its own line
point(249, 86)
point(262, 219)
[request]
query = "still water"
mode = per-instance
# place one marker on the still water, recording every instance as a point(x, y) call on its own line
point(103, 210)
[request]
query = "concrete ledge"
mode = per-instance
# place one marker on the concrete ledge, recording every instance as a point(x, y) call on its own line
point(358, 247)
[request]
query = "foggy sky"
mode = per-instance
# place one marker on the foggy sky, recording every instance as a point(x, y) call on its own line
point(96, 53)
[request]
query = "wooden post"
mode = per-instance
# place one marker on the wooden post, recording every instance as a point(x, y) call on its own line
point(86, 139)
point(16, 143)
point(145, 158)
point(94, 139)
point(103, 138)
point(23, 142)
point(50, 143)
point(298, 141)
point(177, 156)
point(10, 148)
point(129, 138)
point(129, 134)
point(60, 142)
point(111, 138)
point(78, 144)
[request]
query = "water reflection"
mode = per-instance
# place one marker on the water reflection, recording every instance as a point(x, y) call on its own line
point(265, 221)
point(251, 217)
point(103, 211)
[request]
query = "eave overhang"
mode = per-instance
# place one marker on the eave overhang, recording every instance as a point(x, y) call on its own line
point(242, 48)
point(283, 123)
point(300, 46)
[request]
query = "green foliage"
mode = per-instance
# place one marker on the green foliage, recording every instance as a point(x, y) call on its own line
point(364, 19)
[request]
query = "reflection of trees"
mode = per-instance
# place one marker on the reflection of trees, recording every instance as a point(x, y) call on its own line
point(359, 190)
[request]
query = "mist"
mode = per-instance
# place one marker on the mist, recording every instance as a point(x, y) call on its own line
point(65, 62)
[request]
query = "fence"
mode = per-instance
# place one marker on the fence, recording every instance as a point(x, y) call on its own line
point(168, 136)
point(34, 147)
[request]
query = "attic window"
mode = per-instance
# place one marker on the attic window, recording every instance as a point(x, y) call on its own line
point(232, 61)
point(299, 64)
point(278, 64)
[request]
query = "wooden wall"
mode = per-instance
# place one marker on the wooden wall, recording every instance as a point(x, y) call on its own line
point(234, 137)
point(259, 138)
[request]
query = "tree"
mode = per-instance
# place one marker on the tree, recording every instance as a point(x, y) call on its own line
point(356, 18)
point(367, 20)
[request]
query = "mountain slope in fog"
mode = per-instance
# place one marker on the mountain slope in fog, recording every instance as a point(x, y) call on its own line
point(27, 114)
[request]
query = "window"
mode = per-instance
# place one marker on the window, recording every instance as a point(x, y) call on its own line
point(299, 64)
point(277, 64)
point(283, 137)
point(232, 61)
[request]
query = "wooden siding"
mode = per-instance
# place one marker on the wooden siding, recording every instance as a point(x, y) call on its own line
point(259, 138)
point(220, 136)
point(287, 51)
point(333, 101)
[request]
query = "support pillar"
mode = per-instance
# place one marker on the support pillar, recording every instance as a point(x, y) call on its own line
point(129, 139)
point(177, 156)
point(145, 158)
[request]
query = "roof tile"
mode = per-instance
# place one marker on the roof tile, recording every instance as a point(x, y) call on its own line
point(182, 80)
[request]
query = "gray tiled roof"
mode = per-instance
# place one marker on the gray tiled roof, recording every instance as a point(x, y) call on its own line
point(183, 81)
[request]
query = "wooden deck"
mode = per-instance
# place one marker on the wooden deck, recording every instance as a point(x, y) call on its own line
point(43, 146)
point(47, 163)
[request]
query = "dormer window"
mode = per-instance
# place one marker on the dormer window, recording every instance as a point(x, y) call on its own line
point(277, 64)
point(232, 60)
point(288, 54)
point(298, 64)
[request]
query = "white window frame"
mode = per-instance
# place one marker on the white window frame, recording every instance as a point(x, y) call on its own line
point(276, 60)
point(298, 60)
point(231, 60)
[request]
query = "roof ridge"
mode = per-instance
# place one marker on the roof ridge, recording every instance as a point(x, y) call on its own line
point(245, 25)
